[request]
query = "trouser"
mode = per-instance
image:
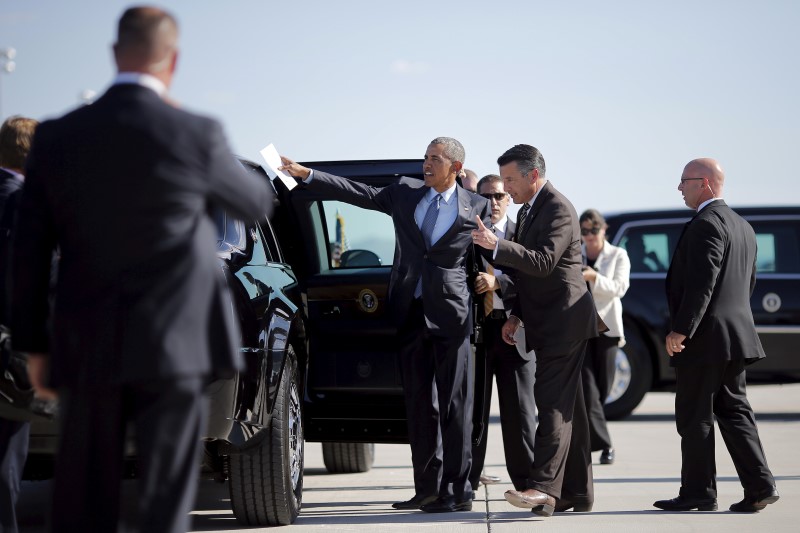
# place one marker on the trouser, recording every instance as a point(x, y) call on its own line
point(169, 417)
point(703, 392)
point(597, 374)
point(13, 452)
point(438, 391)
point(515, 381)
point(562, 461)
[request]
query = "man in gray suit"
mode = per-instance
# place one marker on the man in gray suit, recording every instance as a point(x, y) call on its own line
point(513, 366)
point(123, 188)
point(430, 301)
point(559, 317)
point(712, 338)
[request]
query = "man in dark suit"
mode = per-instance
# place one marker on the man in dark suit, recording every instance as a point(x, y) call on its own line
point(513, 366)
point(559, 316)
point(16, 135)
point(124, 188)
point(431, 303)
point(713, 338)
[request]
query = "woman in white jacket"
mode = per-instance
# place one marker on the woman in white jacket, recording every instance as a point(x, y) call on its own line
point(607, 273)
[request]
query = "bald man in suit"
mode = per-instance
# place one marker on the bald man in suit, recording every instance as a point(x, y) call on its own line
point(712, 339)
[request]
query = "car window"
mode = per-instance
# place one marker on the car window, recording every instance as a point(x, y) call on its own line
point(357, 237)
point(259, 255)
point(270, 242)
point(650, 247)
point(778, 246)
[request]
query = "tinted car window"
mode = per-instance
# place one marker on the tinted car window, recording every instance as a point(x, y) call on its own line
point(778, 247)
point(650, 247)
point(357, 237)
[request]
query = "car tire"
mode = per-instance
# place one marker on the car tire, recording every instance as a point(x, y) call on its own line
point(348, 457)
point(634, 376)
point(266, 483)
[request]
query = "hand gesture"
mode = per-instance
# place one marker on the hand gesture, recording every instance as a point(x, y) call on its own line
point(483, 236)
point(296, 170)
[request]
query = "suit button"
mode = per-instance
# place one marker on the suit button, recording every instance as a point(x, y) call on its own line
point(425, 256)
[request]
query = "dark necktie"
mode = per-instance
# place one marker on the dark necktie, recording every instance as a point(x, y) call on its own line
point(429, 222)
point(523, 217)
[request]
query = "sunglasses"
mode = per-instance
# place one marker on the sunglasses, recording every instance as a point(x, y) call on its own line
point(498, 196)
point(592, 231)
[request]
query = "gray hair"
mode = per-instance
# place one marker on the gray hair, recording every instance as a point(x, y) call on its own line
point(453, 150)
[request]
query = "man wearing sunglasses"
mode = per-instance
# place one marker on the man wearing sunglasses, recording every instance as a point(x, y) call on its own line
point(513, 366)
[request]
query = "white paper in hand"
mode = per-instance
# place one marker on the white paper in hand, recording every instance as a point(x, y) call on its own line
point(273, 161)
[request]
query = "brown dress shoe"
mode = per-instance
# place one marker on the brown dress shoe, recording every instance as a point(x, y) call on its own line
point(489, 480)
point(538, 502)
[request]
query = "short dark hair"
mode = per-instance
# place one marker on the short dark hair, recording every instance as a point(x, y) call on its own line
point(489, 178)
point(16, 136)
point(593, 216)
point(526, 157)
point(139, 29)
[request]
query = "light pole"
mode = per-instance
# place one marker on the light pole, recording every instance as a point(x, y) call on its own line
point(7, 66)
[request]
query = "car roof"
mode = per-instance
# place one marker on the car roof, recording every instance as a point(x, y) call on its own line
point(369, 167)
point(619, 216)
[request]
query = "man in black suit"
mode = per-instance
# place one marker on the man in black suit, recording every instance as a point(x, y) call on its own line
point(16, 135)
point(431, 303)
point(558, 314)
point(513, 366)
point(713, 338)
point(123, 188)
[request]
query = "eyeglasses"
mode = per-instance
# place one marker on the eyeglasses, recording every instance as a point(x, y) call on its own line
point(498, 196)
point(684, 180)
point(587, 231)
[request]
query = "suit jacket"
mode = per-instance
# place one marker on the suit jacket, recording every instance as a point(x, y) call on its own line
point(124, 188)
point(709, 284)
point(10, 185)
point(446, 297)
point(613, 279)
point(552, 299)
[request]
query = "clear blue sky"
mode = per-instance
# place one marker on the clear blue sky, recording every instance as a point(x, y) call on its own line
point(618, 95)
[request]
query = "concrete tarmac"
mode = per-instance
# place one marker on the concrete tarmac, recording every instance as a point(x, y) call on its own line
point(647, 469)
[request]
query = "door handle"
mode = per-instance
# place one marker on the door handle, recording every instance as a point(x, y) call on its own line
point(334, 311)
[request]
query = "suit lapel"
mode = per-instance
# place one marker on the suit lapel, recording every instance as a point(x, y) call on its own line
point(533, 212)
point(414, 199)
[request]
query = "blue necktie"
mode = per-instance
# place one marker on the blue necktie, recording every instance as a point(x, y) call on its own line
point(429, 222)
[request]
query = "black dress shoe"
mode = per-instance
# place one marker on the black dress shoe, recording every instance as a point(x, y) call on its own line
point(756, 502)
point(681, 503)
point(489, 480)
point(414, 503)
point(577, 506)
point(607, 457)
point(447, 505)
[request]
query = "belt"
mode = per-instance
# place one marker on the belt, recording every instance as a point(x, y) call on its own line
point(497, 314)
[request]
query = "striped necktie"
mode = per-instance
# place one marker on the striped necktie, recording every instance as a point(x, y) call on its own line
point(523, 217)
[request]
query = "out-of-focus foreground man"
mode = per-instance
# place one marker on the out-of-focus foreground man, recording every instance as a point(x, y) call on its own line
point(123, 188)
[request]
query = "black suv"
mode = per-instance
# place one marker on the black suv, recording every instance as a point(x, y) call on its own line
point(650, 238)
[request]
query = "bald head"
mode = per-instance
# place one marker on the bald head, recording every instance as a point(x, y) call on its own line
point(470, 180)
point(147, 42)
point(702, 180)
